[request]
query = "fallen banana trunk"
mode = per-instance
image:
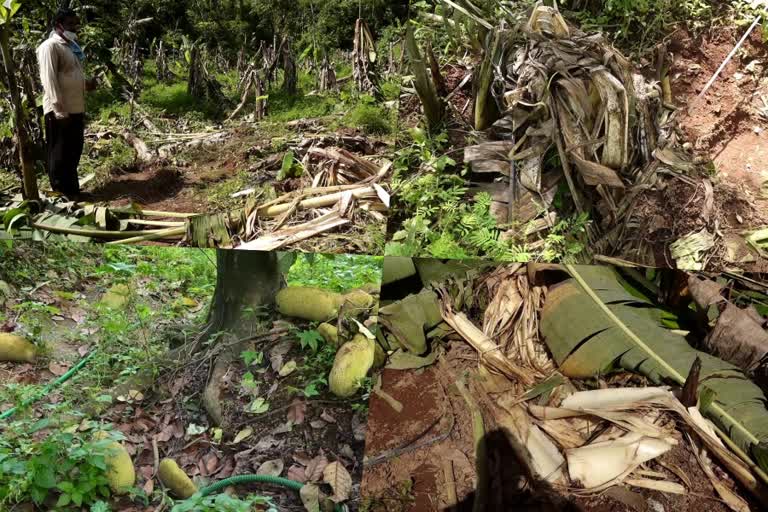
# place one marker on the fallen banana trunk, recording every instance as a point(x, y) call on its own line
point(603, 464)
point(296, 234)
point(319, 202)
point(354, 164)
point(490, 353)
point(143, 153)
point(607, 402)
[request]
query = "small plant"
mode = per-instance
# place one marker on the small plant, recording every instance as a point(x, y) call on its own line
point(310, 339)
point(64, 466)
point(371, 119)
point(225, 503)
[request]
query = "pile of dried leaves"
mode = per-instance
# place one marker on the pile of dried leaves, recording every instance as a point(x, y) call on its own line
point(565, 93)
point(550, 333)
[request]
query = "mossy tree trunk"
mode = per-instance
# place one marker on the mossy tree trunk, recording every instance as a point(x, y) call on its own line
point(246, 281)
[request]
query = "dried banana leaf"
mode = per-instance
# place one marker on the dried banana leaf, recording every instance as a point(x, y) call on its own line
point(592, 325)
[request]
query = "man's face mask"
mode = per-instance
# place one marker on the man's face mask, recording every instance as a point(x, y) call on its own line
point(70, 35)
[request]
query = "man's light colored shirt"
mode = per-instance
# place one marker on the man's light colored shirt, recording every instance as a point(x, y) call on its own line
point(62, 76)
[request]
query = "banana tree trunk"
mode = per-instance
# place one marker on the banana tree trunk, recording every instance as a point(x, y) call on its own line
point(434, 108)
point(29, 188)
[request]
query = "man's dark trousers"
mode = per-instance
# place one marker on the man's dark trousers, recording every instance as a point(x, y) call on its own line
point(65, 138)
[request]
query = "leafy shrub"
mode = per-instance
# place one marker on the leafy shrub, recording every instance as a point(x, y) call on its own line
point(64, 466)
point(371, 119)
point(224, 503)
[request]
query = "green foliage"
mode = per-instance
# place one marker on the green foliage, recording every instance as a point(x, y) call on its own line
point(225, 503)
point(62, 465)
point(252, 357)
point(291, 167)
point(371, 119)
point(335, 273)
point(285, 108)
point(442, 221)
point(174, 99)
point(637, 23)
point(310, 339)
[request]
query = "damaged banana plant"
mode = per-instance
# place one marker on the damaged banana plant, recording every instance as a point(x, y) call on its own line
point(556, 104)
point(592, 325)
point(364, 60)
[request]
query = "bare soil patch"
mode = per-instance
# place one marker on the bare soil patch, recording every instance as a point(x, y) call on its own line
point(728, 123)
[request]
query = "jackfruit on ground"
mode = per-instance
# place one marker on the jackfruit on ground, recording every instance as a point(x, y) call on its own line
point(358, 300)
point(120, 470)
point(329, 333)
point(353, 362)
point(16, 349)
point(175, 479)
point(313, 304)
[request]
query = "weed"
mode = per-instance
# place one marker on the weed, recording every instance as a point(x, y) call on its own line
point(174, 99)
point(371, 119)
point(64, 465)
point(225, 503)
point(637, 24)
point(335, 273)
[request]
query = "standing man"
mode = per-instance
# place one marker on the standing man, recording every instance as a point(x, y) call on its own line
point(60, 59)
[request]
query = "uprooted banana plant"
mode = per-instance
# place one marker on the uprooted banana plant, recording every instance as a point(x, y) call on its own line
point(560, 105)
point(592, 324)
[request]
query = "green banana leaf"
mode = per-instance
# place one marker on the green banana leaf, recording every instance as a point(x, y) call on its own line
point(592, 325)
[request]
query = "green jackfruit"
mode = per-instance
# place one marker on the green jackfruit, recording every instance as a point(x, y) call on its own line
point(329, 333)
point(358, 300)
point(16, 349)
point(312, 304)
point(120, 470)
point(353, 362)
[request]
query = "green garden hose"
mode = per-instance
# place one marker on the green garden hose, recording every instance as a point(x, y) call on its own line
point(257, 479)
point(50, 387)
point(211, 489)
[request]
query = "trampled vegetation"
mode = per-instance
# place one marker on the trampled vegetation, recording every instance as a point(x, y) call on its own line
point(223, 112)
point(580, 132)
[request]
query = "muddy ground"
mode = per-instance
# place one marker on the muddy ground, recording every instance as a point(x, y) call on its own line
point(434, 432)
point(727, 125)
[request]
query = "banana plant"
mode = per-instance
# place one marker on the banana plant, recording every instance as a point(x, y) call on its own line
point(593, 325)
point(8, 10)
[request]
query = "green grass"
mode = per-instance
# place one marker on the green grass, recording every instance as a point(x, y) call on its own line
point(335, 273)
point(284, 108)
point(371, 119)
